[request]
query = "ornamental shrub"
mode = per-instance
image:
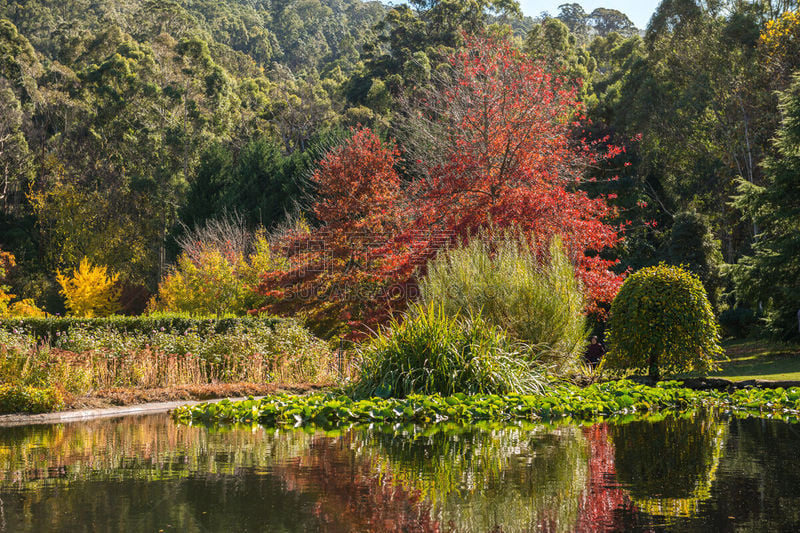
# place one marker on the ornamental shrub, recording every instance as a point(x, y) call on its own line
point(210, 279)
point(90, 291)
point(433, 352)
point(535, 297)
point(26, 308)
point(662, 320)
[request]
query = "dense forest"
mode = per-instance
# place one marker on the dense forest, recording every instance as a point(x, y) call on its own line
point(126, 123)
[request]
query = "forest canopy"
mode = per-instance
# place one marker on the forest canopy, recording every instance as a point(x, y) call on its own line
point(126, 124)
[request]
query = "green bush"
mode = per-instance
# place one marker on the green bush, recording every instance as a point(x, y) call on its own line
point(661, 319)
point(432, 352)
point(536, 299)
point(48, 329)
point(22, 399)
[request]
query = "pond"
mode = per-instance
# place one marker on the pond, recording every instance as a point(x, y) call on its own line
point(697, 472)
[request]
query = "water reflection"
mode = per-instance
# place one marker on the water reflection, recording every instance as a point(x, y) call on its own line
point(149, 474)
point(668, 466)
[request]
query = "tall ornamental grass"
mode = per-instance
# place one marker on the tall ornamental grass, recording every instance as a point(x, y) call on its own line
point(434, 352)
point(535, 297)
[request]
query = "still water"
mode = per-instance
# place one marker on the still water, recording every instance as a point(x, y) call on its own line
point(695, 473)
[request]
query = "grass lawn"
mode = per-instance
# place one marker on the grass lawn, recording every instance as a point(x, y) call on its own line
point(760, 359)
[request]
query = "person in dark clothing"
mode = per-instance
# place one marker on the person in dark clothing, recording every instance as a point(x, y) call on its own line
point(594, 353)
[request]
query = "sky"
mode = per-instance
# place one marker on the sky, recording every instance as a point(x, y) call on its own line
point(639, 11)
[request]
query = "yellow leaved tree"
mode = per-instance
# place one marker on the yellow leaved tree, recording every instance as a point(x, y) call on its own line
point(214, 281)
point(6, 262)
point(20, 308)
point(91, 291)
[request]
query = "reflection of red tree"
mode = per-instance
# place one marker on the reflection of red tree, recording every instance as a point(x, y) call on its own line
point(604, 504)
point(353, 496)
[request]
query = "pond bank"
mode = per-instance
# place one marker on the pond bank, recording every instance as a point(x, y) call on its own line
point(125, 402)
point(721, 384)
point(109, 412)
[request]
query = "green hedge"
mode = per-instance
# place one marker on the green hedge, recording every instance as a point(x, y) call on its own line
point(47, 328)
point(22, 399)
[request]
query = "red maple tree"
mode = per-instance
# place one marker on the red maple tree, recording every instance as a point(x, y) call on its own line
point(493, 140)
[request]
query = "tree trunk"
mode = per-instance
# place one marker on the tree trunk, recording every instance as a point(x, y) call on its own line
point(653, 364)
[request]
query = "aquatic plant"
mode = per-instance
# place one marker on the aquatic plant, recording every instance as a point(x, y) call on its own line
point(561, 400)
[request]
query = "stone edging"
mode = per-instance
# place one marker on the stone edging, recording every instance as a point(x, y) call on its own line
point(88, 414)
point(722, 384)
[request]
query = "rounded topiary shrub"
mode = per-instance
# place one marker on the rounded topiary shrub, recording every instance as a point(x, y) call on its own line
point(661, 320)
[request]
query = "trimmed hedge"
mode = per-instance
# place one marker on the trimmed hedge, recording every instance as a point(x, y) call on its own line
point(22, 399)
point(48, 328)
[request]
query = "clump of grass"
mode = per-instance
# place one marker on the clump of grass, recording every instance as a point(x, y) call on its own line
point(433, 352)
point(535, 297)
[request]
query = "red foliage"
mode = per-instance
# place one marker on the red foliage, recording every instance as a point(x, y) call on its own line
point(496, 150)
point(604, 502)
point(338, 271)
point(351, 495)
point(506, 158)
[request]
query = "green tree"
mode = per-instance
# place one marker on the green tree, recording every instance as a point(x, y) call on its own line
point(259, 183)
point(574, 17)
point(19, 92)
point(770, 274)
point(552, 43)
point(695, 93)
point(661, 320)
point(692, 245)
point(265, 183)
point(204, 198)
point(422, 33)
point(605, 21)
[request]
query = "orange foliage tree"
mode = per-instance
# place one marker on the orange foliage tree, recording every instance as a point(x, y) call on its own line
point(337, 272)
